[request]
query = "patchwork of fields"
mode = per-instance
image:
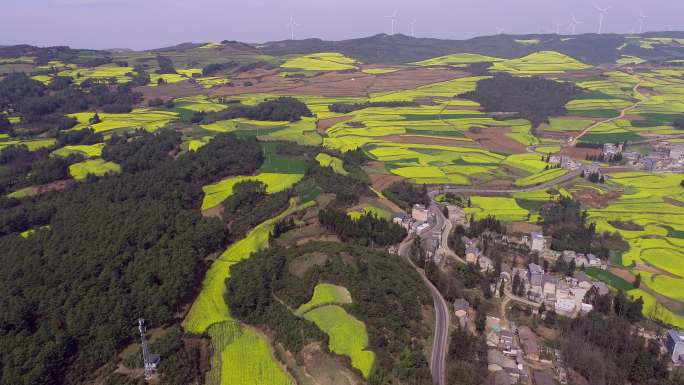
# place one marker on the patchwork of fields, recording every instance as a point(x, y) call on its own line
point(431, 136)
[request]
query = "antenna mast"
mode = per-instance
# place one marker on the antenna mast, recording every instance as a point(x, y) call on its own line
point(149, 369)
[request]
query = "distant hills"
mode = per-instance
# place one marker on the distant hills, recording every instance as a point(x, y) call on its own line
point(400, 49)
point(589, 48)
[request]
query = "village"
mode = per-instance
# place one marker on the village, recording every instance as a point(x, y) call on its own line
point(515, 353)
point(659, 156)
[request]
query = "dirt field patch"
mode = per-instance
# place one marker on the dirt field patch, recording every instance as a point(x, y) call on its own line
point(524, 227)
point(325, 369)
point(380, 181)
point(579, 152)
point(214, 212)
point(323, 124)
point(339, 83)
point(495, 140)
point(170, 91)
point(594, 199)
point(417, 139)
point(300, 265)
point(201, 345)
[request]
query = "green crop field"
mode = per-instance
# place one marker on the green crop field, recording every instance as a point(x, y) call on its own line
point(138, 118)
point(107, 71)
point(379, 71)
point(609, 278)
point(166, 78)
point(541, 177)
point(655, 310)
point(347, 335)
point(528, 162)
point(336, 164)
point(235, 345)
point(99, 167)
point(216, 193)
point(326, 294)
point(545, 62)
point(31, 144)
point(669, 286)
point(646, 201)
point(457, 60)
point(325, 61)
point(89, 151)
point(245, 358)
point(380, 213)
point(505, 209)
point(566, 124)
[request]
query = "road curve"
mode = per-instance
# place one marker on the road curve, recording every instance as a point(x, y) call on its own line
point(440, 342)
point(475, 190)
point(623, 112)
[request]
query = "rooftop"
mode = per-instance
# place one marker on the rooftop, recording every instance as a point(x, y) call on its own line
point(537, 235)
point(461, 304)
point(676, 335)
point(536, 269)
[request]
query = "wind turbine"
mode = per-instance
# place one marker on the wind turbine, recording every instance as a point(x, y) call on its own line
point(413, 28)
point(558, 28)
point(574, 23)
point(642, 18)
point(393, 17)
point(602, 14)
point(292, 24)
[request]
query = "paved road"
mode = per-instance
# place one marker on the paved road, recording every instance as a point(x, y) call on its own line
point(440, 342)
point(475, 190)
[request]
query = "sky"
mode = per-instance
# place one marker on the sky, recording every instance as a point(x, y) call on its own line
point(147, 24)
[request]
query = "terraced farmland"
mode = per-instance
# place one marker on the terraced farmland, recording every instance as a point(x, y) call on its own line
point(99, 167)
point(348, 335)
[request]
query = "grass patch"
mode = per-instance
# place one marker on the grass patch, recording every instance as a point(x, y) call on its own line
point(99, 167)
point(336, 164)
point(609, 278)
point(348, 336)
point(326, 294)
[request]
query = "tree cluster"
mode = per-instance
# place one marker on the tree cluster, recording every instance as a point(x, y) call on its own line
point(345, 108)
point(165, 65)
point(367, 230)
point(405, 194)
point(250, 205)
point(121, 245)
point(566, 222)
point(477, 227)
point(284, 108)
point(532, 98)
point(608, 350)
point(41, 109)
point(466, 358)
point(141, 150)
point(615, 158)
point(375, 280)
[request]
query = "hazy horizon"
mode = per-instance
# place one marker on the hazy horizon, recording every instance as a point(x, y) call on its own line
point(147, 24)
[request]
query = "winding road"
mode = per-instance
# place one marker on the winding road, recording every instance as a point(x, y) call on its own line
point(440, 342)
point(623, 113)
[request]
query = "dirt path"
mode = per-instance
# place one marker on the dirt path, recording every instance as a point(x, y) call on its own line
point(623, 113)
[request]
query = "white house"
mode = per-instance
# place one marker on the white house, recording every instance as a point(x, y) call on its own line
point(537, 242)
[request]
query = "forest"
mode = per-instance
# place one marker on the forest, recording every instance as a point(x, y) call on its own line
point(105, 252)
point(406, 194)
point(367, 230)
point(377, 282)
point(566, 222)
point(535, 99)
point(281, 109)
point(43, 107)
